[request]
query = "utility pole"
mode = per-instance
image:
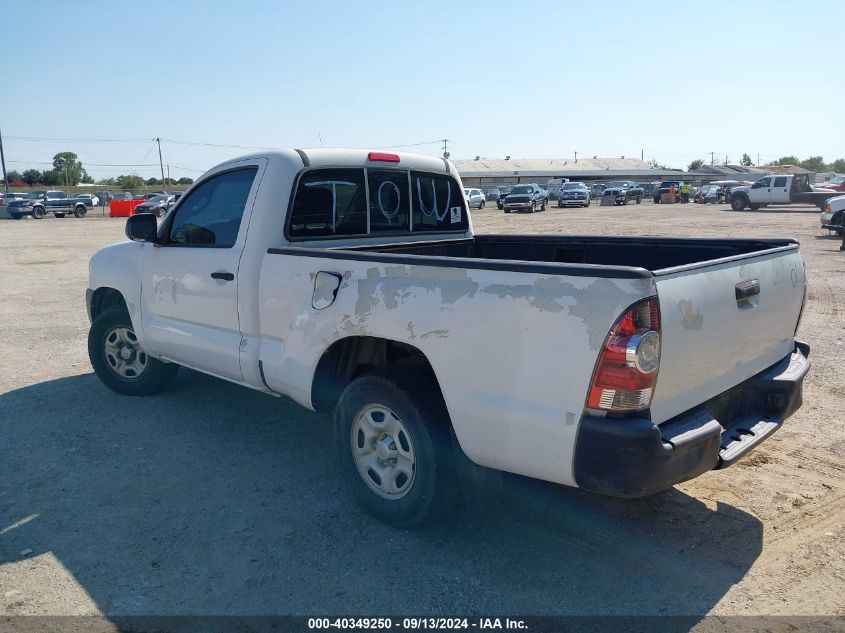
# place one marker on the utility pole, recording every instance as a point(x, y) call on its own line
point(445, 151)
point(576, 157)
point(758, 159)
point(160, 161)
point(3, 160)
point(642, 154)
point(712, 159)
point(168, 175)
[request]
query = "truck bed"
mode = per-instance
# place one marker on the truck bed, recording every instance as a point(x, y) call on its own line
point(642, 256)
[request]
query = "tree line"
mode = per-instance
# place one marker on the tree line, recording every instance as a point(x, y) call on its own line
point(68, 171)
point(814, 164)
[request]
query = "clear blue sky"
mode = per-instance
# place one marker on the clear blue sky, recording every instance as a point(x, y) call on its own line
point(529, 79)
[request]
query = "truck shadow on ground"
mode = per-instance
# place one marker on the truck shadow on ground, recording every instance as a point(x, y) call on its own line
point(213, 499)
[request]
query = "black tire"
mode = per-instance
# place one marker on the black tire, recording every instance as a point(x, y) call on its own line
point(543, 206)
point(507, 210)
point(38, 213)
point(15, 216)
point(79, 212)
point(154, 378)
point(481, 205)
point(754, 207)
point(559, 205)
point(533, 206)
point(839, 220)
point(639, 199)
point(587, 203)
point(412, 395)
point(656, 199)
point(738, 203)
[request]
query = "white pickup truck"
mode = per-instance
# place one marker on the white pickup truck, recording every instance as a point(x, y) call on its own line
point(779, 189)
point(352, 283)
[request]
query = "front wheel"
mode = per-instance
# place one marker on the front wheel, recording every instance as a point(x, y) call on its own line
point(587, 203)
point(481, 205)
point(392, 430)
point(738, 203)
point(38, 213)
point(118, 359)
point(15, 216)
point(79, 212)
point(543, 206)
point(639, 199)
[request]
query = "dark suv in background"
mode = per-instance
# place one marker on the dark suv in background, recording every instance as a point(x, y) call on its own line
point(623, 191)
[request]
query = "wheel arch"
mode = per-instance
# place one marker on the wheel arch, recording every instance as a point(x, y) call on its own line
point(349, 357)
point(104, 298)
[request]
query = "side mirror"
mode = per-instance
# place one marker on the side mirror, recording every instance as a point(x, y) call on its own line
point(141, 227)
point(756, 185)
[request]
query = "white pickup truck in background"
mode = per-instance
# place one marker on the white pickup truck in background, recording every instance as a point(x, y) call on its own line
point(352, 282)
point(779, 189)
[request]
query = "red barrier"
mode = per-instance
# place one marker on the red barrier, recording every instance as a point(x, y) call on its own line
point(123, 208)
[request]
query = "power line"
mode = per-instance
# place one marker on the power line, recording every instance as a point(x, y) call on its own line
point(80, 140)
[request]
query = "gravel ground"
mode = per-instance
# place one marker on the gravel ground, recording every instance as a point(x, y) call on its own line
point(213, 499)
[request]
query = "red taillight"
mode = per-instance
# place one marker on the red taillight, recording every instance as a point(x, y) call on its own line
point(383, 157)
point(626, 371)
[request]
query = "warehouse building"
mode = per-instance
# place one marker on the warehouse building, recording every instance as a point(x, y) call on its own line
point(486, 173)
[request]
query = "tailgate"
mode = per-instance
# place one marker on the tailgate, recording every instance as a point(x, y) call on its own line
point(722, 322)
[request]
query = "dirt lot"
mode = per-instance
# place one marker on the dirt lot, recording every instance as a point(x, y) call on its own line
point(212, 499)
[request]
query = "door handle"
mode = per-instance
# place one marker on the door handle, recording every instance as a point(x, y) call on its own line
point(223, 276)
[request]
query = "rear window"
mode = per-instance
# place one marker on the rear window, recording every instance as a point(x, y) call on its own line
point(389, 204)
point(330, 202)
point(437, 203)
point(334, 202)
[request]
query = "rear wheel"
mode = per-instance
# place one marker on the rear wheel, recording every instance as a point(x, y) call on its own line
point(15, 216)
point(118, 359)
point(392, 430)
point(38, 213)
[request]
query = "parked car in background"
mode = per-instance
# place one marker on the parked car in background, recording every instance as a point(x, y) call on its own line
point(12, 195)
point(833, 214)
point(780, 189)
point(475, 198)
point(837, 183)
point(665, 187)
point(90, 199)
point(503, 193)
point(525, 198)
point(122, 196)
point(39, 203)
point(492, 194)
point(104, 196)
point(574, 194)
point(623, 191)
point(708, 194)
point(157, 205)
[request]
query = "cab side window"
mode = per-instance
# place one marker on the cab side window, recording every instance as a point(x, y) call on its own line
point(211, 214)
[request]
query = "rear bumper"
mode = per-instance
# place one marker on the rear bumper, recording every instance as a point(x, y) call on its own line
point(635, 457)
